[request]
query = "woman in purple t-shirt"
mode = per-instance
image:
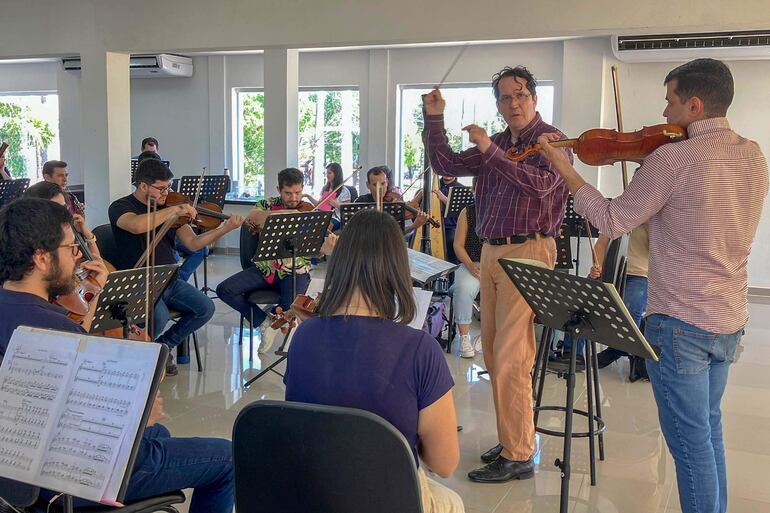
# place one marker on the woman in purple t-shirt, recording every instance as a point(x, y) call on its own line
point(360, 353)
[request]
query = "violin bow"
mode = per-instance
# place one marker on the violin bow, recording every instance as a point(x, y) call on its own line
point(200, 188)
point(619, 116)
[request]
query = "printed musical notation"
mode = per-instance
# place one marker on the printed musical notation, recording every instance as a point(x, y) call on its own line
point(70, 408)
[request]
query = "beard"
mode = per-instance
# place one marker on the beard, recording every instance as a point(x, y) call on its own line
point(56, 284)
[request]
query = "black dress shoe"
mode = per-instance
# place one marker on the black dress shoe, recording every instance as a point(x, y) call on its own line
point(492, 454)
point(502, 470)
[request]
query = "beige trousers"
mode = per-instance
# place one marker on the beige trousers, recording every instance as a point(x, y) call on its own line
point(437, 498)
point(508, 341)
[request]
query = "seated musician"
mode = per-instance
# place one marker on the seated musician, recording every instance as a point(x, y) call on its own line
point(360, 353)
point(38, 258)
point(342, 195)
point(130, 224)
point(466, 286)
point(5, 173)
point(378, 179)
point(55, 171)
point(51, 191)
point(271, 274)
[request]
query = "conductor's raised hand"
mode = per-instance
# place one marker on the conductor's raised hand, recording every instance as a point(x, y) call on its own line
point(433, 103)
point(478, 136)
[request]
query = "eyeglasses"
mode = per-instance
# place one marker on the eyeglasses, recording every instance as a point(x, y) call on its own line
point(519, 97)
point(74, 248)
point(163, 190)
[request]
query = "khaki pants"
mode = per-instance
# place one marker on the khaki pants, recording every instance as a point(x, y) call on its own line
point(437, 498)
point(508, 341)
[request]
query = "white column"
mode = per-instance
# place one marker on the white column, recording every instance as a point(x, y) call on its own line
point(375, 150)
point(281, 114)
point(105, 138)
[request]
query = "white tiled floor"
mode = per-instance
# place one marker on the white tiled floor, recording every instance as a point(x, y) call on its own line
point(637, 475)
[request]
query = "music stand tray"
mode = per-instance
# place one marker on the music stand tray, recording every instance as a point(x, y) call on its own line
point(12, 189)
point(426, 268)
point(395, 209)
point(290, 235)
point(458, 199)
point(213, 188)
point(121, 302)
point(581, 307)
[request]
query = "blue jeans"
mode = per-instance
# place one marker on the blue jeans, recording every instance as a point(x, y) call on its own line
point(635, 299)
point(195, 306)
point(688, 383)
point(192, 260)
point(235, 290)
point(166, 464)
point(464, 291)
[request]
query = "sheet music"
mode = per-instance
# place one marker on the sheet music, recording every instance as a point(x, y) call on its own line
point(422, 298)
point(88, 404)
point(426, 267)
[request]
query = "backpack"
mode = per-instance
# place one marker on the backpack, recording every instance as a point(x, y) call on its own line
point(435, 319)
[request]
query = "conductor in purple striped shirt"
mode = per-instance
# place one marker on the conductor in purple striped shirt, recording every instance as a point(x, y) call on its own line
point(519, 208)
point(703, 198)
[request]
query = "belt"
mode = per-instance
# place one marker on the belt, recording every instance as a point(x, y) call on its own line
point(515, 239)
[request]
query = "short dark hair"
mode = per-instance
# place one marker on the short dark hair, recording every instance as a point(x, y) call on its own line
point(26, 226)
point(370, 256)
point(378, 170)
point(150, 171)
point(148, 155)
point(43, 190)
point(517, 72)
point(290, 176)
point(708, 79)
point(147, 140)
point(49, 166)
point(337, 170)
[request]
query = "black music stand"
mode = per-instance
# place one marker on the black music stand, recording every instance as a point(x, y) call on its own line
point(458, 199)
point(290, 235)
point(135, 164)
point(564, 249)
point(212, 189)
point(121, 302)
point(576, 225)
point(395, 209)
point(584, 308)
point(12, 189)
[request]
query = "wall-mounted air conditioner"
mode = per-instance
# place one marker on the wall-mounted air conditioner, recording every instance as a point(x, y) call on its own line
point(163, 65)
point(744, 45)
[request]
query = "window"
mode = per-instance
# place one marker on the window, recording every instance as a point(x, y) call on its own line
point(30, 125)
point(249, 144)
point(329, 131)
point(465, 104)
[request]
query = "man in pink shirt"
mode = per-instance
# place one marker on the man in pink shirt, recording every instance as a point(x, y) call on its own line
point(703, 199)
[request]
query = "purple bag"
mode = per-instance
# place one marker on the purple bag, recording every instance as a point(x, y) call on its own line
point(435, 319)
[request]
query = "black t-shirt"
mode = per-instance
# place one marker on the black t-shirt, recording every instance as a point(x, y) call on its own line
point(131, 246)
point(23, 309)
point(366, 198)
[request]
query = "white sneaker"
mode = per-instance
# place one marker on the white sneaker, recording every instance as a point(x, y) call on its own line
point(266, 337)
point(477, 344)
point(466, 348)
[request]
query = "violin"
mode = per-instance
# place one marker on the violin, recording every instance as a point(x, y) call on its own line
point(256, 227)
point(209, 217)
point(410, 207)
point(303, 308)
point(604, 147)
point(78, 302)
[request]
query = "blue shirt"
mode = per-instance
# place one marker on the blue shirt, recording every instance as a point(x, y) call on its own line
point(368, 363)
point(23, 309)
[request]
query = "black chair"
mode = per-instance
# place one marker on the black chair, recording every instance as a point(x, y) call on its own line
point(105, 241)
point(248, 246)
point(26, 498)
point(353, 193)
point(296, 458)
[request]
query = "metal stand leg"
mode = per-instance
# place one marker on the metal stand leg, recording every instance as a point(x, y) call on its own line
point(588, 354)
point(205, 288)
point(564, 463)
point(197, 352)
point(541, 385)
point(597, 393)
point(251, 335)
point(282, 355)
